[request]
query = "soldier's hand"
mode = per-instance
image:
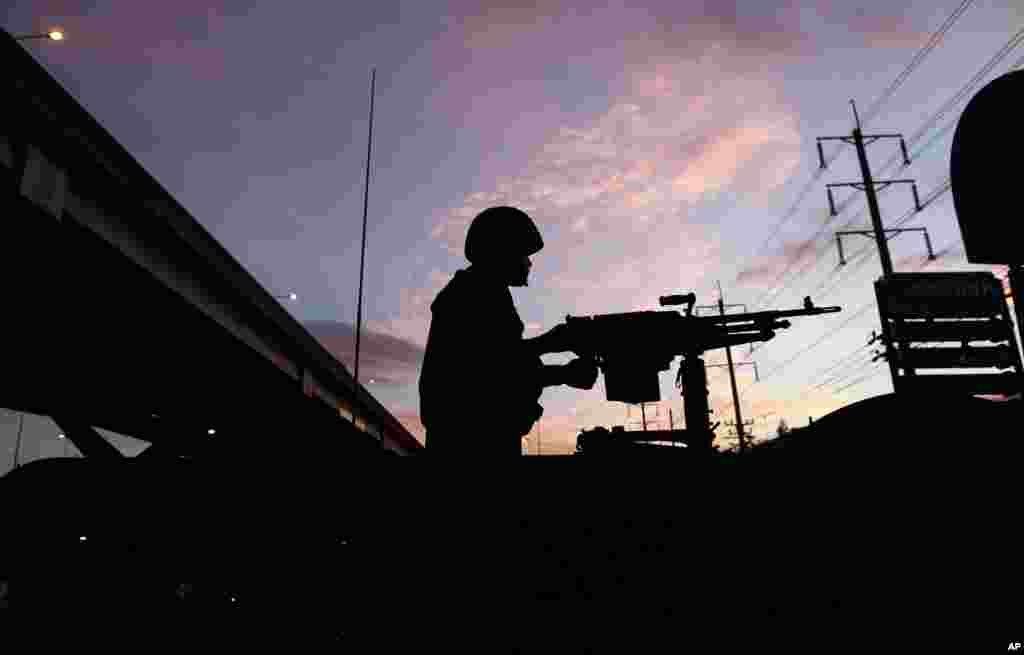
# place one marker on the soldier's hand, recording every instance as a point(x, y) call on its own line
point(581, 373)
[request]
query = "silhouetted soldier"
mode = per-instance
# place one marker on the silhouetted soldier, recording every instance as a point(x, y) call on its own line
point(481, 380)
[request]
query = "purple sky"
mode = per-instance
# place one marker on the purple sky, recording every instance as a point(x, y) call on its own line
point(657, 147)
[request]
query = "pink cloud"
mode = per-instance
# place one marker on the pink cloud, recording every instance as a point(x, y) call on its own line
point(411, 323)
point(719, 163)
point(771, 267)
point(664, 50)
point(642, 163)
point(384, 358)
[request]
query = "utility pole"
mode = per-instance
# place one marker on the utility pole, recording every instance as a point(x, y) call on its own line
point(867, 185)
point(732, 372)
point(732, 376)
point(870, 233)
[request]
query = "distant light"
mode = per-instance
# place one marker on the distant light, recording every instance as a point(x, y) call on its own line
point(292, 296)
point(82, 538)
point(211, 431)
point(233, 599)
point(60, 435)
point(56, 35)
point(372, 381)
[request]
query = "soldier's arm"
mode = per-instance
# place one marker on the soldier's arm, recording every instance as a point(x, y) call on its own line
point(536, 346)
point(555, 340)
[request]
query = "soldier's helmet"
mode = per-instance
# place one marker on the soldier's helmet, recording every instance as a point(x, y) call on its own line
point(502, 233)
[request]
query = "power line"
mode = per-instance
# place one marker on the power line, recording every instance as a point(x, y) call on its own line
point(852, 355)
point(768, 343)
point(826, 246)
point(932, 196)
point(822, 251)
point(864, 255)
point(843, 370)
point(852, 373)
point(933, 42)
point(1001, 54)
point(958, 97)
point(828, 334)
point(951, 125)
point(829, 371)
point(859, 381)
point(859, 312)
point(777, 290)
point(926, 263)
point(856, 261)
point(811, 184)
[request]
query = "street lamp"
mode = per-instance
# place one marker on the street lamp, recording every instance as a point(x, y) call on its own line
point(53, 35)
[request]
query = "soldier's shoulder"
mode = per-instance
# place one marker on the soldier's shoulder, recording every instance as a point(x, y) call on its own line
point(462, 292)
point(457, 291)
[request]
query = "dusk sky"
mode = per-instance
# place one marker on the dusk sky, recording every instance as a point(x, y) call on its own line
point(659, 146)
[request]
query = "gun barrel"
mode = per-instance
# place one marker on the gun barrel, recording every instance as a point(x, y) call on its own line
point(753, 326)
point(769, 315)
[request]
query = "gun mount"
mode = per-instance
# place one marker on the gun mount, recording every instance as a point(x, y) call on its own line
point(632, 348)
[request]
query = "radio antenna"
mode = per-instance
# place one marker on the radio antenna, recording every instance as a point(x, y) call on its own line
point(366, 200)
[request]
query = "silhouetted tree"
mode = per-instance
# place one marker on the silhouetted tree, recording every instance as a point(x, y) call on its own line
point(783, 428)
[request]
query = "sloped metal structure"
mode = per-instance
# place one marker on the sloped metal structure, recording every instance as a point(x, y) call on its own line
point(123, 312)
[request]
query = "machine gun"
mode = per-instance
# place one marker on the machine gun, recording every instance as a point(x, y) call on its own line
point(631, 349)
